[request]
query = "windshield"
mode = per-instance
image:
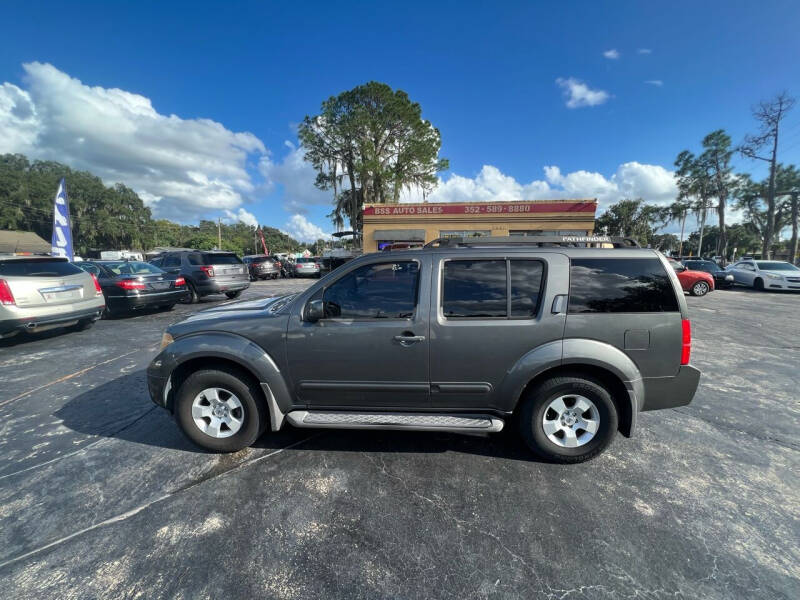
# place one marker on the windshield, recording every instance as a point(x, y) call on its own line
point(38, 267)
point(775, 265)
point(703, 265)
point(132, 268)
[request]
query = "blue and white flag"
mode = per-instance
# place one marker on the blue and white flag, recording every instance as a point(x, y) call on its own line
point(62, 229)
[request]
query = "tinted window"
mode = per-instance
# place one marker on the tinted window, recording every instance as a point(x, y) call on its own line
point(89, 268)
point(38, 267)
point(474, 288)
point(222, 259)
point(620, 285)
point(157, 261)
point(172, 261)
point(702, 265)
point(526, 282)
point(195, 259)
point(379, 291)
point(306, 260)
point(774, 265)
point(132, 268)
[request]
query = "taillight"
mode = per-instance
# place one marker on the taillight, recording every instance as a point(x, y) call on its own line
point(208, 270)
point(6, 297)
point(316, 265)
point(130, 284)
point(180, 281)
point(98, 291)
point(686, 347)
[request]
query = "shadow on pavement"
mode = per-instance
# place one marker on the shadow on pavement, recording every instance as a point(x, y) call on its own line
point(122, 409)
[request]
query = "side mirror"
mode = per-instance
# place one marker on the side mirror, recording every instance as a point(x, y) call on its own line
point(314, 311)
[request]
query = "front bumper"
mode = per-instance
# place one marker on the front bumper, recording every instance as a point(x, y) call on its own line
point(669, 392)
point(781, 284)
point(46, 322)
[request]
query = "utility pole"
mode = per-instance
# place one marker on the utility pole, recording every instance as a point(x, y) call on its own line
point(219, 233)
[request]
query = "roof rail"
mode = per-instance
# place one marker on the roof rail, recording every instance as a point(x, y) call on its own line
point(574, 241)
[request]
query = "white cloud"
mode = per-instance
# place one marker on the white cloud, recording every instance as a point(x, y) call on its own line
point(303, 230)
point(644, 51)
point(241, 216)
point(653, 183)
point(578, 94)
point(182, 168)
point(655, 82)
point(611, 54)
point(297, 177)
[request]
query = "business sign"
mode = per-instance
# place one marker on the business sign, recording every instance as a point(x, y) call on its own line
point(485, 208)
point(62, 230)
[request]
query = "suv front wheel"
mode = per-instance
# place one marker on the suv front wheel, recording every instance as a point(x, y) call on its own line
point(220, 410)
point(568, 419)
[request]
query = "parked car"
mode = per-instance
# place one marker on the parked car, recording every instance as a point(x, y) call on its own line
point(567, 343)
point(133, 285)
point(766, 274)
point(261, 266)
point(697, 283)
point(722, 278)
point(38, 293)
point(306, 267)
point(206, 272)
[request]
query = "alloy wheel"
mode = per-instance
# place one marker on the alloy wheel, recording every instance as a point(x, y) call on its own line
point(571, 421)
point(217, 412)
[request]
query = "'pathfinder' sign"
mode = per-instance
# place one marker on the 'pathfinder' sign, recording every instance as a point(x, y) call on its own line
point(485, 208)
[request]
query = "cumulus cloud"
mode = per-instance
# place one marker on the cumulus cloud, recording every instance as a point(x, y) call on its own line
point(182, 168)
point(241, 216)
point(579, 94)
point(297, 177)
point(303, 230)
point(653, 183)
point(611, 54)
point(655, 82)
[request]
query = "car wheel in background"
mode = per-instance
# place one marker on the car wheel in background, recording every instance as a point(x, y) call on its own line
point(758, 284)
point(191, 296)
point(233, 295)
point(700, 288)
point(568, 419)
point(220, 409)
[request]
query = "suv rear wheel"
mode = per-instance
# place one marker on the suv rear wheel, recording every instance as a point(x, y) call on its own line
point(568, 419)
point(191, 296)
point(220, 410)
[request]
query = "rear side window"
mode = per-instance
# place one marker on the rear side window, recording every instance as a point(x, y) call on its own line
point(221, 259)
point(480, 289)
point(618, 285)
point(195, 259)
point(172, 261)
point(38, 267)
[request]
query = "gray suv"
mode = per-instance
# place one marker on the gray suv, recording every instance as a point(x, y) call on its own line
point(566, 338)
point(206, 272)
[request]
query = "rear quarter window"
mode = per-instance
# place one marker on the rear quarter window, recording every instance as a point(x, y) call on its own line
point(619, 285)
point(37, 267)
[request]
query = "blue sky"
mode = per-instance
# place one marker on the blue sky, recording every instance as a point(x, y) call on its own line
point(486, 75)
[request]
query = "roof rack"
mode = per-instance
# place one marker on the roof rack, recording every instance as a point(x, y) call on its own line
point(542, 241)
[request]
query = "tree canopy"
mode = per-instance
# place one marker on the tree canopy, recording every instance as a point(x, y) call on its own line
point(375, 139)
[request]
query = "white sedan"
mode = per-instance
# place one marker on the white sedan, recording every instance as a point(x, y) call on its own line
point(766, 274)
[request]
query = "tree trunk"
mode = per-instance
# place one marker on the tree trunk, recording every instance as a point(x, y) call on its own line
point(702, 227)
point(766, 247)
point(353, 203)
point(722, 240)
point(795, 217)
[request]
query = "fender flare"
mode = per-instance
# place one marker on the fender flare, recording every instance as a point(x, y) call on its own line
point(240, 350)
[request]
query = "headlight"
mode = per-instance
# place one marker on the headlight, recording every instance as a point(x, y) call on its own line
point(166, 340)
point(773, 276)
point(728, 277)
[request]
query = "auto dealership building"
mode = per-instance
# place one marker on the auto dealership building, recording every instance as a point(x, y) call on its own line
point(384, 224)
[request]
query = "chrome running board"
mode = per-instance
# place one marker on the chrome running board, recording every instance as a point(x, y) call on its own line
point(385, 420)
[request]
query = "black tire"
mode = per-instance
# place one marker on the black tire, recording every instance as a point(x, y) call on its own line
point(233, 295)
point(83, 325)
point(256, 418)
point(536, 402)
point(166, 307)
point(700, 288)
point(274, 276)
point(191, 297)
point(759, 284)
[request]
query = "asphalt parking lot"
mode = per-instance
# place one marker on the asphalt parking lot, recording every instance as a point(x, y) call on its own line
point(102, 497)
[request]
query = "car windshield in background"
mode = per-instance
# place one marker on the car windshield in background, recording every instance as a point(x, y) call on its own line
point(702, 265)
point(38, 267)
point(132, 268)
point(222, 259)
point(306, 260)
point(260, 260)
point(775, 265)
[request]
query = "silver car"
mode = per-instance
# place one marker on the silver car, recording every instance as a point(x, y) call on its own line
point(306, 267)
point(766, 274)
point(44, 292)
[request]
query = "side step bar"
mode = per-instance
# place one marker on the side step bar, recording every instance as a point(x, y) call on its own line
point(382, 420)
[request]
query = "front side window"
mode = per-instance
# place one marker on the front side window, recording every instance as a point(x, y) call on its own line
point(376, 291)
point(619, 285)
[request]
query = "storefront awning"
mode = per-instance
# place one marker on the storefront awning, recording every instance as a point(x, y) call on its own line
point(399, 235)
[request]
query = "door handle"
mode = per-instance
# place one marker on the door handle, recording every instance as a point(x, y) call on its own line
point(559, 304)
point(407, 340)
